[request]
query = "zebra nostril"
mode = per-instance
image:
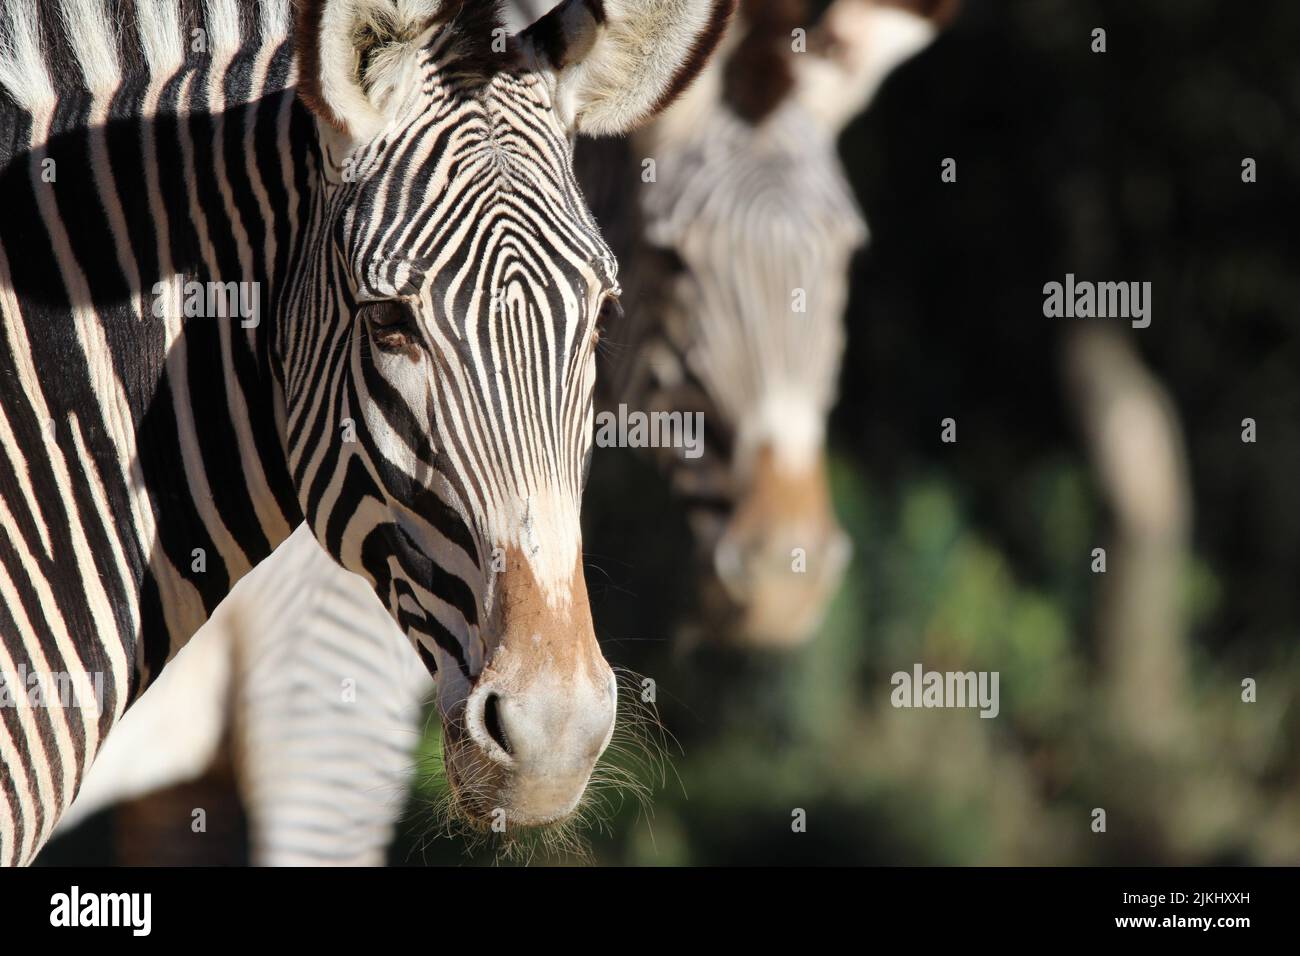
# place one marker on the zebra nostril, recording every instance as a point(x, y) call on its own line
point(492, 722)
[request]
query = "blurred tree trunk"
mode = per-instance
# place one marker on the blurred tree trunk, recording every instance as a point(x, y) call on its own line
point(1134, 443)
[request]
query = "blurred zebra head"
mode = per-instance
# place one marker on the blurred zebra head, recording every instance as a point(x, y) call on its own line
point(751, 225)
point(439, 392)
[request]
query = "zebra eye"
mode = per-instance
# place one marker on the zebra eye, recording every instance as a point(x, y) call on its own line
point(391, 324)
point(611, 310)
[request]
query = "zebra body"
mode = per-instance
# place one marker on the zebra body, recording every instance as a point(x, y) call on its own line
point(304, 674)
point(324, 730)
point(98, 543)
point(392, 182)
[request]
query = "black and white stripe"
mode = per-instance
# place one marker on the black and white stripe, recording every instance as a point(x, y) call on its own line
point(304, 673)
point(148, 463)
point(126, 441)
point(730, 196)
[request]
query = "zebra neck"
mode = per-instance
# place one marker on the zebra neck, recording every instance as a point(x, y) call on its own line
point(153, 200)
point(222, 291)
point(146, 236)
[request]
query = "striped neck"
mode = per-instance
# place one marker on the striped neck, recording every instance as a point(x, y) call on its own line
point(155, 182)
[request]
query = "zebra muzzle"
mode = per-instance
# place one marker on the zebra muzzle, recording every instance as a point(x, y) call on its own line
point(541, 712)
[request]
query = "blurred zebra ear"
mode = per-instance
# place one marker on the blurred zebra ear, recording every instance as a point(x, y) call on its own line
point(618, 63)
point(856, 45)
point(352, 55)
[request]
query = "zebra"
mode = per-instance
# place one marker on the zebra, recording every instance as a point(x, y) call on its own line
point(304, 677)
point(295, 820)
point(391, 180)
point(736, 283)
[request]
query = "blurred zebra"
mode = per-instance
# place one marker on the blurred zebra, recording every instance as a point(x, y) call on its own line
point(736, 278)
point(774, 152)
point(255, 271)
point(303, 675)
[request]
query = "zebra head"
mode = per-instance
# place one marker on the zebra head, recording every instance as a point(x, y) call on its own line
point(751, 225)
point(439, 414)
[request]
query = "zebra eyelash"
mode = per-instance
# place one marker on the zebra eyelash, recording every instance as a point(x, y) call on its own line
point(391, 323)
point(610, 311)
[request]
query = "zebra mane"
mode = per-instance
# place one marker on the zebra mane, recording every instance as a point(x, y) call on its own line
point(52, 48)
point(63, 46)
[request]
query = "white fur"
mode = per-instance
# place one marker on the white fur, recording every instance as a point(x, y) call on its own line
point(274, 19)
point(160, 36)
point(869, 40)
point(366, 114)
point(22, 64)
point(618, 71)
point(222, 22)
point(790, 422)
point(692, 110)
point(90, 32)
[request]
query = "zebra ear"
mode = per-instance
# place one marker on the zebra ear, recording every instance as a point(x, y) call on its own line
point(352, 55)
point(856, 45)
point(618, 63)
